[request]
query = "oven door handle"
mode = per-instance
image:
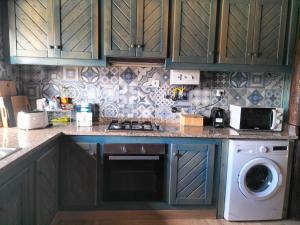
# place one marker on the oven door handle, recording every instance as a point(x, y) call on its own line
point(133, 157)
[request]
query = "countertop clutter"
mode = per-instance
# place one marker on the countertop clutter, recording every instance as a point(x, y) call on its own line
point(29, 140)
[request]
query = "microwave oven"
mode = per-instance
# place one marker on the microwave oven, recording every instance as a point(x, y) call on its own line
point(255, 118)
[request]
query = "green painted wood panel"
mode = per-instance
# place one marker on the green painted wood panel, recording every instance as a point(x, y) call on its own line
point(236, 31)
point(270, 32)
point(16, 199)
point(152, 28)
point(192, 169)
point(78, 181)
point(194, 31)
point(78, 28)
point(30, 27)
point(47, 186)
point(120, 27)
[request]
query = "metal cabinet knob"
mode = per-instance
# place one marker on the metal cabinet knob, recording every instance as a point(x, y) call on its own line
point(132, 46)
point(51, 46)
point(249, 54)
point(124, 150)
point(143, 150)
point(139, 46)
point(57, 47)
point(210, 53)
point(255, 54)
point(176, 154)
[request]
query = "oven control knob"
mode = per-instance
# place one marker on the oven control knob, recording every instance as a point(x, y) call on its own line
point(263, 149)
point(143, 150)
point(124, 150)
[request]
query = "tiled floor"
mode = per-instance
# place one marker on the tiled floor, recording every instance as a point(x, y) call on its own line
point(149, 218)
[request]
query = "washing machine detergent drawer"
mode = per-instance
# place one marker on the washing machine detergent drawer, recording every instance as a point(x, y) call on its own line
point(256, 180)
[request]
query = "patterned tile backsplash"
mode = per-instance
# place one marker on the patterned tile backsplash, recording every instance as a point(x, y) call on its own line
point(129, 91)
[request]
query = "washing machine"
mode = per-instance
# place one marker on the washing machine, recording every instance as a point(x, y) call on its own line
point(256, 180)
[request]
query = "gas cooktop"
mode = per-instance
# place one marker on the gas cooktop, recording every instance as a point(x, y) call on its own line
point(127, 125)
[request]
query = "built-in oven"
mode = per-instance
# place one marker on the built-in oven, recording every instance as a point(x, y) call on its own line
point(133, 172)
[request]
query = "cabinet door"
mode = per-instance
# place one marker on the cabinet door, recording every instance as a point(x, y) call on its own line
point(47, 186)
point(192, 167)
point(236, 35)
point(194, 30)
point(29, 28)
point(152, 28)
point(78, 175)
point(16, 199)
point(120, 27)
point(76, 29)
point(270, 32)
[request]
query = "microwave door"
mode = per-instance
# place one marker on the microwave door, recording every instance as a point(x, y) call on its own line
point(256, 118)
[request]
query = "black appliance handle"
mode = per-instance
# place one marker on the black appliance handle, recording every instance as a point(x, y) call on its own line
point(133, 157)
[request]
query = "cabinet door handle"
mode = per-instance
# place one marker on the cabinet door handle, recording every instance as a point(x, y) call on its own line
point(211, 53)
point(124, 150)
point(57, 47)
point(177, 154)
point(140, 46)
point(51, 47)
point(255, 54)
point(249, 54)
point(132, 46)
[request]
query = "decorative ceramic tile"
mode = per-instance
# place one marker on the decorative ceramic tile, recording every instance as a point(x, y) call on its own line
point(206, 79)
point(70, 73)
point(128, 110)
point(109, 110)
point(92, 94)
point(214, 99)
point(146, 111)
point(160, 97)
point(237, 96)
point(239, 79)
point(32, 91)
point(274, 80)
point(128, 76)
point(89, 74)
point(256, 80)
point(147, 75)
point(164, 112)
point(273, 98)
point(146, 95)
point(255, 97)
point(200, 97)
point(128, 95)
point(109, 76)
point(49, 90)
point(109, 94)
point(221, 80)
point(3, 74)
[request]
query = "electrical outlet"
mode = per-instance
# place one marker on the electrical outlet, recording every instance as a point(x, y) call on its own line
point(184, 77)
point(155, 83)
point(220, 92)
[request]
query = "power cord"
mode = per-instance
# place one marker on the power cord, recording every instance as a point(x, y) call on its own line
point(220, 99)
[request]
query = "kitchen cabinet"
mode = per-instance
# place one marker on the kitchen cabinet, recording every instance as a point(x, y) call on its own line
point(79, 188)
point(191, 174)
point(54, 29)
point(136, 28)
point(194, 31)
point(16, 199)
point(253, 32)
point(47, 186)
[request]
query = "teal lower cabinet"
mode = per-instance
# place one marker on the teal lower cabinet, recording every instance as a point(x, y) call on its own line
point(47, 186)
point(16, 199)
point(191, 174)
point(78, 181)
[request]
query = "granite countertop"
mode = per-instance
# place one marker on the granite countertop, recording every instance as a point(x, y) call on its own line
point(30, 140)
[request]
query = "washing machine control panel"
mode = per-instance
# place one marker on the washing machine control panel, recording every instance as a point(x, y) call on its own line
point(263, 149)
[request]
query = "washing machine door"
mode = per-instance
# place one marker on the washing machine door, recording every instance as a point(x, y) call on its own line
point(259, 179)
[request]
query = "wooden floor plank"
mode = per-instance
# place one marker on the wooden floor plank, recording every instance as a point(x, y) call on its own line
point(152, 217)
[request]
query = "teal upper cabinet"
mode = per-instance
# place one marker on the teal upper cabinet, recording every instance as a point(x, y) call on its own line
point(54, 29)
point(136, 28)
point(194, 31)
point(253, 32)
point(236, 31)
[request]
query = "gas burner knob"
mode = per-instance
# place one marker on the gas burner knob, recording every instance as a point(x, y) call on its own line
point(263, 149)
point(157, 126)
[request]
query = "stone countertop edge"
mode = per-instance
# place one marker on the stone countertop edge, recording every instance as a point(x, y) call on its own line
point(28, 141)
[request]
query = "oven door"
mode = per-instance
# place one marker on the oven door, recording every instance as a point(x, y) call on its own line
point(256, 118)
point(133, 177)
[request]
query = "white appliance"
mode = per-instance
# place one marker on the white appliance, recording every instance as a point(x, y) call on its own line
point(256, 118)
point(32, 120)
point(256, 180)
point(84, 119)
